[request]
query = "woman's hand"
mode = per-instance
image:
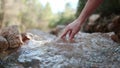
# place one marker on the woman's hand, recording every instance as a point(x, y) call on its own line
point(71, 29)
point(75, 26)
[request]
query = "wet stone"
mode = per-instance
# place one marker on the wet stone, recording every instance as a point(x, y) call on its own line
point(12, 35)
point(3, 44)
point(96, 50)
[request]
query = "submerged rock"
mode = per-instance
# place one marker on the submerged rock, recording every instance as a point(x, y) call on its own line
point(95, 50)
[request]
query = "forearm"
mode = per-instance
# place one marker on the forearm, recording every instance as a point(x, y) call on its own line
point(90, 6)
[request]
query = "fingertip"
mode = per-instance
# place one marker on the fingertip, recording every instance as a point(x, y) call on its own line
point(70, 32)
point(64, 34)
point(72, 36)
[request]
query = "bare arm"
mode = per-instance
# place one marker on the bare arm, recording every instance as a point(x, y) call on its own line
point(74, 27)
point(90, 6)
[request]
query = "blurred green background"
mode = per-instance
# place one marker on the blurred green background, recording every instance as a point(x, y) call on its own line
point(29, 14)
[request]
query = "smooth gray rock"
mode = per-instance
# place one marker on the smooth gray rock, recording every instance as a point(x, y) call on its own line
point(95, 50)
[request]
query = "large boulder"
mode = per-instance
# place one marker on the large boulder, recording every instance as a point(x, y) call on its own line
point(3, 44)
point(12, 35)
point(10, 38)
point(95, 50)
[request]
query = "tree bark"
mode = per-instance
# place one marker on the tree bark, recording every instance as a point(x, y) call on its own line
point(2, 4)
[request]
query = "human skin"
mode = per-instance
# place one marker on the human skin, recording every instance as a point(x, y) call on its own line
point(73, 28)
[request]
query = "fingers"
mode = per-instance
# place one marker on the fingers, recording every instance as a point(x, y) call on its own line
point(70, 32)
point(64, 33)
point(72, 35)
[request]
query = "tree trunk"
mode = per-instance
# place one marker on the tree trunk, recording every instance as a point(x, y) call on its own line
point(2, 3)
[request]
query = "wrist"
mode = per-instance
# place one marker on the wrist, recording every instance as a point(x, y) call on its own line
point(80, 21)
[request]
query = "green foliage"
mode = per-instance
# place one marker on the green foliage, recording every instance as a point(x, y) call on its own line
point(107, 7)
point(63, 18)
point(46, 14)
point(61, 21)
point(35, 14)
point(81, 4)
point(32, 14)
point(1, 12)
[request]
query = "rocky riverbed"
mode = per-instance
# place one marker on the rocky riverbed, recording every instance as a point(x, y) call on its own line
point(95, 50)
